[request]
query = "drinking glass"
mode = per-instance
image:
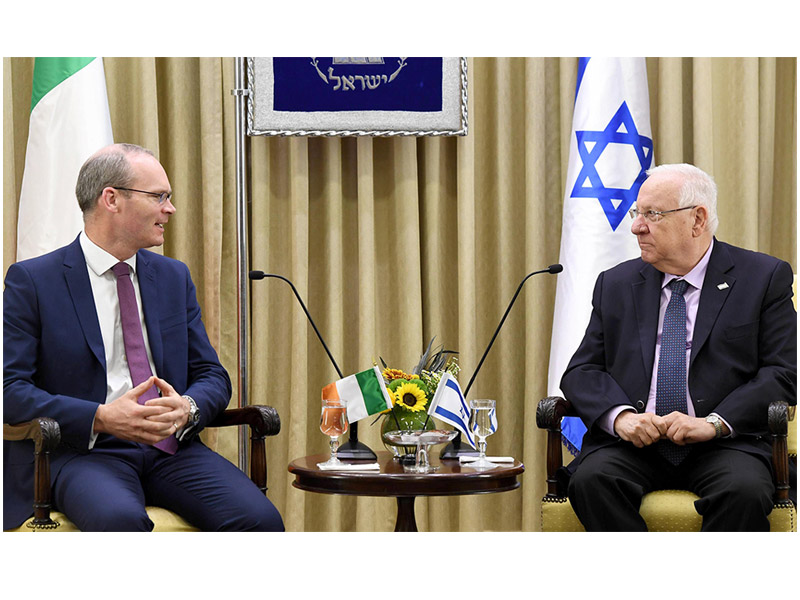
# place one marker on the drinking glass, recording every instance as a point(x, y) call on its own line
point(333, 423)
point(480, 422)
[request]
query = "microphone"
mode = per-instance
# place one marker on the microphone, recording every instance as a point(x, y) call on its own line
point(453, 450)
point(257, 275)
point(352, 449)
point(552, 269)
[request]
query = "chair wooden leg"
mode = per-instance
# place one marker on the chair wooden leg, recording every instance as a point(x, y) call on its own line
point(46, 435)
point(549, 413)
point(263, 421)
point(258, 462)
point(778, 422)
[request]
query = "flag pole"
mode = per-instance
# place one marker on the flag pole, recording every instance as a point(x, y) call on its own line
point(241, 92)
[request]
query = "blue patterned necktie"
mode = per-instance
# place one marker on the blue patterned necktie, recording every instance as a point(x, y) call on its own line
point(671, 379)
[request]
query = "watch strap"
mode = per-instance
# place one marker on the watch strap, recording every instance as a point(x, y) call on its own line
point(717, 423)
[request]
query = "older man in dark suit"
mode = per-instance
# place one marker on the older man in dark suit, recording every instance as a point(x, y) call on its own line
point(685, 348)
point(107, 338)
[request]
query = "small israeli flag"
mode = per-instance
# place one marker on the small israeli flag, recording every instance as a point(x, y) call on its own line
point(448, 404)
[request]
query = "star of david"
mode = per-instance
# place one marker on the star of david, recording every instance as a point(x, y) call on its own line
point(616, 201)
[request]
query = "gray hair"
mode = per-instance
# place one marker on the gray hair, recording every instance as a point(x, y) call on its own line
point(698, 189)
point(108, 167)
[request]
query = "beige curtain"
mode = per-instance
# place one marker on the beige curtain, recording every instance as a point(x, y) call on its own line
point(394, 241)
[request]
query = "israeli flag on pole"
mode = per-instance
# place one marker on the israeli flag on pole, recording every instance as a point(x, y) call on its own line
point(448, 404)
point(610, 148)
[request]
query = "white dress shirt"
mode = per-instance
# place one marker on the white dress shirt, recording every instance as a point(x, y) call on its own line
point(106, 302)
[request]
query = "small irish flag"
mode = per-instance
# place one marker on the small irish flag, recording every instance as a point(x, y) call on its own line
point(363, 394)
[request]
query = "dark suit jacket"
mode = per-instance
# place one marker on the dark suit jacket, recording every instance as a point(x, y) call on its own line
point(54, 359)
point(744, 349)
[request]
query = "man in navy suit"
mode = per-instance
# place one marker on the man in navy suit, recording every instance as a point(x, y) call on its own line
point(740, 355)
point(65, 357)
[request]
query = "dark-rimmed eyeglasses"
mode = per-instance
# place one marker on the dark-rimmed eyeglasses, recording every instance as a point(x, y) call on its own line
point(162, 196)
point(653, 216)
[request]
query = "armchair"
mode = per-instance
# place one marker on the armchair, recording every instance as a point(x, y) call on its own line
point(263, 421)
point(665, 510)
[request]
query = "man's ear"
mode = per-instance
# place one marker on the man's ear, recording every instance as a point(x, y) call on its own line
point(700, 223)
point(109, 200)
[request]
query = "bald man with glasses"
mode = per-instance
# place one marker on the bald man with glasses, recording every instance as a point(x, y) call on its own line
point(685, 348)
point(107, 338)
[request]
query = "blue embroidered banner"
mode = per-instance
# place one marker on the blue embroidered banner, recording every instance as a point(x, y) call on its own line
point(350, 84)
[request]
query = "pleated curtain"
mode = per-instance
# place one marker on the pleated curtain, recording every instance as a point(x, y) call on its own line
point(392, 242)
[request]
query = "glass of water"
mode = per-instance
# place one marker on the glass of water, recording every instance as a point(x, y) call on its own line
point(483, 423)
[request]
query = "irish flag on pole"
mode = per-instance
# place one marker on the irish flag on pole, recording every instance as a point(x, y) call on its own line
point(69, 122)
point(363, 394)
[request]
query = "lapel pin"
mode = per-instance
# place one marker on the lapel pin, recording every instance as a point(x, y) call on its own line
point(722, 286)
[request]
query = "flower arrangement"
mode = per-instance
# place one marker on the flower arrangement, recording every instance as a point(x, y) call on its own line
point(411, 393)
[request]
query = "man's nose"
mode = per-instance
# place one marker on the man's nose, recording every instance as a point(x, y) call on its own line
point(168, 207)
point(639, 225)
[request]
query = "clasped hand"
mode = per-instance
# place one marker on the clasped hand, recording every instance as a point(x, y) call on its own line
point(146, 423)
point(647, 428)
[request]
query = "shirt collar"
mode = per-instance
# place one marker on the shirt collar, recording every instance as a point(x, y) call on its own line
point(98, 260)
point(696, 276)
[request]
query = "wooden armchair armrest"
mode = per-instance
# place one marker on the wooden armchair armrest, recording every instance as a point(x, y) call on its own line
point(46, 436)
point(263, 421)
point(549, 413)
point(778, 423)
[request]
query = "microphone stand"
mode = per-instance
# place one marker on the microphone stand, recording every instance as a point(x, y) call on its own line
point(455, 448)
point(352, 449)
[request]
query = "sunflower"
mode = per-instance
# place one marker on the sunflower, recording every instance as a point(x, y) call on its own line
point(410, 397)
point(392, 374)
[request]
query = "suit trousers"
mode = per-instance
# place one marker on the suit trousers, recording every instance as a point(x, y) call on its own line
point(735, 488)
point(108, 489)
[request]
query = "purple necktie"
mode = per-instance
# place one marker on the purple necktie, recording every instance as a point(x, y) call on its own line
point(134, 343)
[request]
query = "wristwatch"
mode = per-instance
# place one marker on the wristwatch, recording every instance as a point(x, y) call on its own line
point(717, 423)
point(194, 413)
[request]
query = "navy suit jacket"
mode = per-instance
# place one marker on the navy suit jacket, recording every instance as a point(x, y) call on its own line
point(54, 359)
point(744, 349)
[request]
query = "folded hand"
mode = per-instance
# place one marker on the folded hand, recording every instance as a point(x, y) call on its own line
point(640, 429)
point(128, 420)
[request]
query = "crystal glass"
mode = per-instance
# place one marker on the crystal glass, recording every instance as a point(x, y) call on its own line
point(333, 423)
point(480, 422)
point(423, 439)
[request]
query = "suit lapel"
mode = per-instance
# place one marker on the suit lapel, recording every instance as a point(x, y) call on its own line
point(148, 288)
point(716, 288)
point(646, 294)
point(80, 290)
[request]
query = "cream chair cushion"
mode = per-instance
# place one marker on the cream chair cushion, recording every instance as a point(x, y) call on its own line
point(163, 520)
point(664, 510)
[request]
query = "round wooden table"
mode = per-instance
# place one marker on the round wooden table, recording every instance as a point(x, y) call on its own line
point(452, 479)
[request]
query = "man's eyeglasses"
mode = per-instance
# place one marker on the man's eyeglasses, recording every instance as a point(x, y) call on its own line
point(653, 216)
point(162, 197)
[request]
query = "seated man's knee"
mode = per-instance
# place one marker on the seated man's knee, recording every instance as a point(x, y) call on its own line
point(590, 477)
point(258, 515)
point(750, 489)
point(269, 519)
